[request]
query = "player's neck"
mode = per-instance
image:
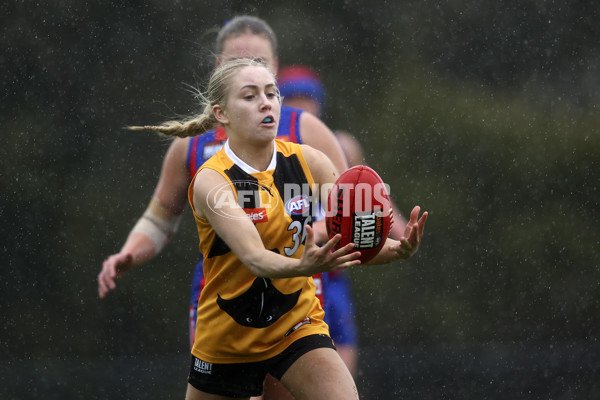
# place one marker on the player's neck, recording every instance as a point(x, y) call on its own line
point(258, 157)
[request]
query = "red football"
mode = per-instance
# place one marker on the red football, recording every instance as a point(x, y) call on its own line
point(359, 208)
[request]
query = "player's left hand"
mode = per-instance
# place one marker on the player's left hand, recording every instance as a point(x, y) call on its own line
point(413, 234)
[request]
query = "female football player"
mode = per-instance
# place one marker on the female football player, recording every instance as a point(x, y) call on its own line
point(258, 312)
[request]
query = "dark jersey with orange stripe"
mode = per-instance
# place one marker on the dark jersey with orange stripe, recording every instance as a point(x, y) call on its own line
point(242, 317)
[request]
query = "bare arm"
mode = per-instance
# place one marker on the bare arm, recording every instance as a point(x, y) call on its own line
point(316, 134)
point(158, 223)
point(174, 179)
point(351, 147)
point(233, 226)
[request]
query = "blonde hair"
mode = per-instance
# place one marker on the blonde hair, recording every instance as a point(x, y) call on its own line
point(216, 94)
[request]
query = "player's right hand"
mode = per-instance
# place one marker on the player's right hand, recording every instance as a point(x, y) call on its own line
point(316, 259)
point(112, 268)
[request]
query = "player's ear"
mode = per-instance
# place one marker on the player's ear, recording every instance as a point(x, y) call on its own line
point(220, 114)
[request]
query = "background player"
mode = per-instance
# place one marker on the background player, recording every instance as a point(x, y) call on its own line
point(243, 36)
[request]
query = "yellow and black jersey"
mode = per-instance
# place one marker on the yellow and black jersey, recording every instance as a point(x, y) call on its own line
point(242, 317)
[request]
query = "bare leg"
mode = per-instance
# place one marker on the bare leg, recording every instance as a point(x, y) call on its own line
point(320, 374)
point(274, 390)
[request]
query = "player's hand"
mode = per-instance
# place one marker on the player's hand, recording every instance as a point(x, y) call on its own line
point(413, 234)
point(316, 259)
point(112, 268)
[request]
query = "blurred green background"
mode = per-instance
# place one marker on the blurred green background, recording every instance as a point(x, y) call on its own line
point(485, 113)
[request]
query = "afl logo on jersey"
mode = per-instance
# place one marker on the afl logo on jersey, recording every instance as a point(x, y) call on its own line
point(298, 205)
point(255, 199)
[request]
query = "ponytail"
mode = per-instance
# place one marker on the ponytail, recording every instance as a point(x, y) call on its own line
point(193, 126)
point(218, 87)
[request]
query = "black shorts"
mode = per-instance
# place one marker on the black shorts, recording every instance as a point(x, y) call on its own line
point(246, 379)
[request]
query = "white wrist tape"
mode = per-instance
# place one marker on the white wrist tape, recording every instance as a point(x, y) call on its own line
point(158, 223)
